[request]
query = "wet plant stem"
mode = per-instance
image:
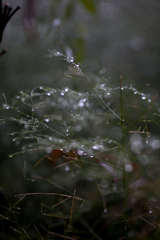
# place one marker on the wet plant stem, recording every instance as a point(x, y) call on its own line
point(122, 149)
point(99, 95)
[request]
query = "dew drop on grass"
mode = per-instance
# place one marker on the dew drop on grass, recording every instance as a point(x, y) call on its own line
point(97, 147)
point(57, 53)
point(6, 106)
point(105, 210)
point(47, 120)
point(48, 94)
point(66, 89)
point(71, 60)
point(80, 152)
point(143, 97)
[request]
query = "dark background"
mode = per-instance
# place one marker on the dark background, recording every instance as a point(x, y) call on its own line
point(120, 36)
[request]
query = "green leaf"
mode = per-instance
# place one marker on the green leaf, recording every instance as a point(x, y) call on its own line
point(89, 5)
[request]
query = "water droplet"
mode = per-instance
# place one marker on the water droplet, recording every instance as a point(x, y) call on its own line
point(143, 98)
point(6, 106)
point(81, 102)
point(105, 210)
point(57, 53)
point(77, 66)
point(66, 89)
point(67, 169)
point(62, 93)
point(102, 86)
point(80, 152)
point(50, 138)
point(48, 94)
point(128, 168)
point(32, 109)
point(150, 211)
point(97, 147)
point(49, 150)
point(47, 120)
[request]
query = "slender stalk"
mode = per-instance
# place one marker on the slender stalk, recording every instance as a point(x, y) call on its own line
point(121, 106)
point(122, 148)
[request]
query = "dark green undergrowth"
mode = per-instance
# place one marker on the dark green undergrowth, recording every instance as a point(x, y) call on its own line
point(85, 163)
